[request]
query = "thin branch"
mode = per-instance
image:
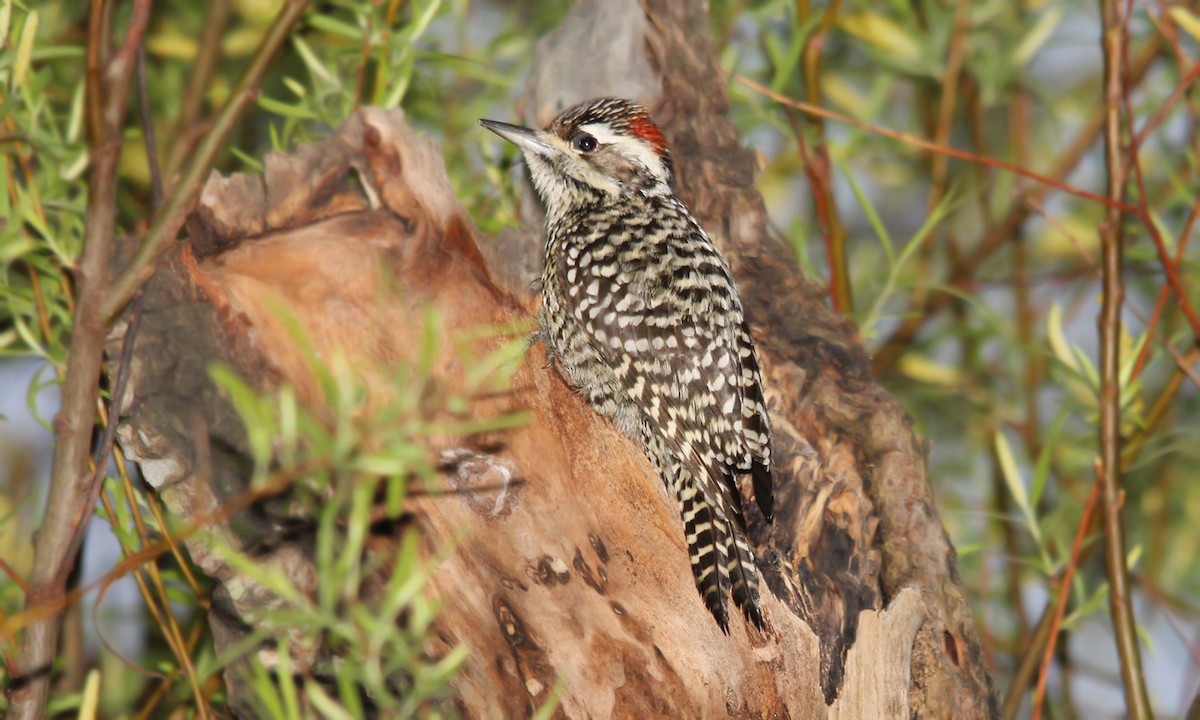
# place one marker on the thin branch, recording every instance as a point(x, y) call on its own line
point(939, 164)
point(189, 128)
point(156, 183)
point(890, 351)
point(1161, 302)
point(1168, 105)
point(817, 165)
point(1027, 666)
point(151, 703)
point(1064, 592)
point(1041, 635)
point(168, 221)
point(1162, 403)
point(927, 145)
point(161, 611)
point(1137, 704)
point(108, 87)
point(817, 169)
point(1170, 267)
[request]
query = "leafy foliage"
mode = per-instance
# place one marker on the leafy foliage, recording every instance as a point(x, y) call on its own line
point(973, 288)
point(982, 322)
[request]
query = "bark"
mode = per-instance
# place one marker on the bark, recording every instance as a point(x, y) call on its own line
point(569, 557)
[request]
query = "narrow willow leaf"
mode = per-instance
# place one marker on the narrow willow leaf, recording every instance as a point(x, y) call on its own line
point(25, 49)
point(324, 704)
point(1041, 469)
point(882, 33)
point(314, 64)
point(280, 108)
point(1186, 20)
point(1132, 557)
point(1012, 478)
point(1057, 339)
point(287, 683)
point(5, 20)
point(1037, 36)
point(333, 26)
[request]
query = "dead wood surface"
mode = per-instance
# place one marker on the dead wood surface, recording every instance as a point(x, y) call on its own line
point(570, 561)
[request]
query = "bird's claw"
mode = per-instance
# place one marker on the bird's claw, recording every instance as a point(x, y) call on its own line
point(544, 338)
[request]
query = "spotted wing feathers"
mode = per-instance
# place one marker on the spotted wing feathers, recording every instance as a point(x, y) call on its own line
point(658, 306)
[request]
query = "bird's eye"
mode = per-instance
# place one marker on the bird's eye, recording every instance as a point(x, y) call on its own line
point(583, 142)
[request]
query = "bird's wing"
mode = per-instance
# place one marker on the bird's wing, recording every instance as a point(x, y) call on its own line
point(666, 318)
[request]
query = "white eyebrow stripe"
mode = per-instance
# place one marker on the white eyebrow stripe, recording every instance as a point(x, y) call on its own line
point(601, 132)
point(637, 150)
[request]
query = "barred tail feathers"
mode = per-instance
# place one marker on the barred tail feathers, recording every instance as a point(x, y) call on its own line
point(744, 575)
point(707, 541)
point(722, 563)
point(764, 488)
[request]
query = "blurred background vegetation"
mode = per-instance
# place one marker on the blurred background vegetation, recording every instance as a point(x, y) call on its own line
point(975, 289)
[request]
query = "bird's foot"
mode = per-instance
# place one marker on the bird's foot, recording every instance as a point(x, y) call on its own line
point(540, 335)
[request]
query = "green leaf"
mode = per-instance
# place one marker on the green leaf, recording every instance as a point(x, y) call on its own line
point(1037, 36)
point(1186, 20)
point(1057, 338)
point(1090, 606)
point(5, 20)
point(895, 264)
point(882, 33)
point(287, 684)
point(265, 691)
point(1041, 469)
point(316, 68)
point(868, 208)
point(440, 673)
point(399, 88)
point(25, 49)
point(1133, 556)
point(1012, 477)
point(299, 112)
point(325, 705)
point(334, 26)
point(256, 416)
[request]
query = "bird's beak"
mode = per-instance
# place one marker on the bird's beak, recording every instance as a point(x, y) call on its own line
point(525, 138)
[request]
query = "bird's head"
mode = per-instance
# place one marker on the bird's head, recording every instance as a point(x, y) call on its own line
point(601, 149)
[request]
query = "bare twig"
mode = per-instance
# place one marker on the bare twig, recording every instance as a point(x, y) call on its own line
point(1168, 105)
point(151, 703)
point(1137, 703)
point(150, 575)
point(939, 127)
point(168, 221)
point(1049, 180)
point(1027, 665)
point(189, 128)
point(817, 165)
point(1034, 649)
point(1064, 592)
point(1000, 232)
point(1161, 302)
point(939, 162)
point(108, 86)
point(156, 184)
point(1170, 266)
point(819, 172)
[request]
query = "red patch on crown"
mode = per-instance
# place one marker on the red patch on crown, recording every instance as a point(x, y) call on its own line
point(643, 127)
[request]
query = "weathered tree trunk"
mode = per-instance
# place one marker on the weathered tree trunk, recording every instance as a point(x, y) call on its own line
point(570, 561)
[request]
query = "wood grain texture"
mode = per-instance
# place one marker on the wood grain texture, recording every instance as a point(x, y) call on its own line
point(568, 562)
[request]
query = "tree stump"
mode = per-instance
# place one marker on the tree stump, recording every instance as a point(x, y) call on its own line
point(569, 559)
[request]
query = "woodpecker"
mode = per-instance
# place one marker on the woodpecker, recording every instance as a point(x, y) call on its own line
point(641, 315)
